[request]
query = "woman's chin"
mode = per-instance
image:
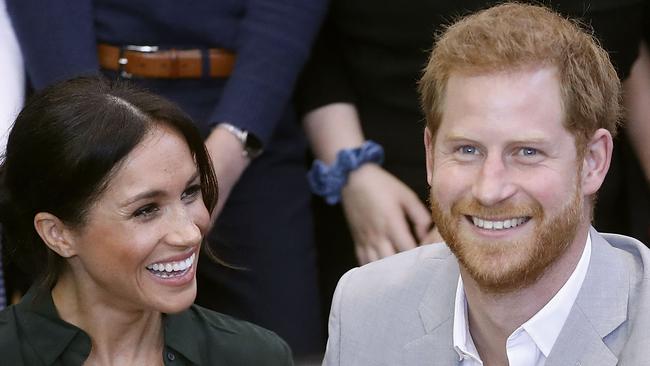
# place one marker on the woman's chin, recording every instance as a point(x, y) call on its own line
point(176, 301)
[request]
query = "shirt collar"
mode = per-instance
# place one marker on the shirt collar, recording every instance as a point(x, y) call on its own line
point(48, 334)
point(544, 327)
point(183, 333)
point(463, 343)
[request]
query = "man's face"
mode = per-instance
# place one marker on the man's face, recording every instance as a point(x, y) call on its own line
point(505, 176)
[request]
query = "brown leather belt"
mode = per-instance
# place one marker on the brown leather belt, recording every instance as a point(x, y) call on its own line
point(149, 62)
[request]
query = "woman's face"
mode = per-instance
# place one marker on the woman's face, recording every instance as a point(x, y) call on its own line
point(139, 247)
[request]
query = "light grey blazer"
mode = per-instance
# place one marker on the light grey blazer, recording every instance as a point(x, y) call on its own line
point(400, 310)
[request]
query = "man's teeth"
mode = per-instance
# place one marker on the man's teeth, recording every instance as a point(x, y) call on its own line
point(498, 225)
point(172, 266)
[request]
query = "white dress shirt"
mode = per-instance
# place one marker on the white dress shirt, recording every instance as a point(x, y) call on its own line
point(531, 343)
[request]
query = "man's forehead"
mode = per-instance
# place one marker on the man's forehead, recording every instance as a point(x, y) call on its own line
point(534, 72)
point(528, 95)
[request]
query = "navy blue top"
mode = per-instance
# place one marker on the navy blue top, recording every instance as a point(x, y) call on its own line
point(271, 38)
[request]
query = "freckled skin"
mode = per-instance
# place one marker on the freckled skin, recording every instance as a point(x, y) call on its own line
point(123, 236)
point(502, 152)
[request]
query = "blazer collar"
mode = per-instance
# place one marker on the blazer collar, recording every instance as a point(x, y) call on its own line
point(436, 312)
point(600, 308)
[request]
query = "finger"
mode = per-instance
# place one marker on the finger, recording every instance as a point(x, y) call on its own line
point(433, 236)
point(418, 215)
point(400, 234)
point(362, 258)
point(383, 248)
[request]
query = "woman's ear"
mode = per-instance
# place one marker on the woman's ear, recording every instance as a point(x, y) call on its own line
point(55, 234)
point(596, 161)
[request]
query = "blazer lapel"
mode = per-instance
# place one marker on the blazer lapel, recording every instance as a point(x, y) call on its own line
point(600, 308)
point(436, 312)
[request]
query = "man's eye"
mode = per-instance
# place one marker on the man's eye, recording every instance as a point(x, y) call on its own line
point(146, 211)
point(468, 150)
point(528, 151)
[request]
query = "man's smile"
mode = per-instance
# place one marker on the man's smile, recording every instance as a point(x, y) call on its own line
point(498, 224)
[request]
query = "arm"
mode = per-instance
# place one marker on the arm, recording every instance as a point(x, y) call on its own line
point(12, 88)
point(637, 102)
point(379, 207)
point(57, 38)
point(275, 40)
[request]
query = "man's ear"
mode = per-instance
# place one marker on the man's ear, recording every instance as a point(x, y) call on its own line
point(55, 234)
point(596, 161)
point(428, 151)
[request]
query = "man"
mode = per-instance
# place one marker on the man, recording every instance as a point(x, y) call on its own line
point(521, 106)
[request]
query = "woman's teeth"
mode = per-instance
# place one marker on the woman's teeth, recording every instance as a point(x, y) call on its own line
point(498, 225)
point(169, 269)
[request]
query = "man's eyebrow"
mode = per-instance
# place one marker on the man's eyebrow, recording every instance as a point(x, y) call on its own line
point(533, 138)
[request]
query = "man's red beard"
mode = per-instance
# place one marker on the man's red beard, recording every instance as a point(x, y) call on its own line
point(500, 266)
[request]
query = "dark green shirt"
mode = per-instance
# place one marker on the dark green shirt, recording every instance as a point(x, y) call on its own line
point(32, 333)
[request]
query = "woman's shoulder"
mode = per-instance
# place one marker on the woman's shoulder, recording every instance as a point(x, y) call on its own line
point(223, 336)
point(9, 338)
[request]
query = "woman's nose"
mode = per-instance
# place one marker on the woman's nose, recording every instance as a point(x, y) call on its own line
point(182, 230)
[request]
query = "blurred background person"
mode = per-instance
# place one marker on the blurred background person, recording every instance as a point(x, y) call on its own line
point(12, 94)
point(106, 191)
point(232, 66)
point(360, 84)
point(12, 88)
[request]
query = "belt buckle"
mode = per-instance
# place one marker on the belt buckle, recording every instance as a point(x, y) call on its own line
point(122, 61)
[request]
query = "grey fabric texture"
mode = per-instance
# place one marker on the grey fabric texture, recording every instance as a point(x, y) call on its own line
point(399, 310)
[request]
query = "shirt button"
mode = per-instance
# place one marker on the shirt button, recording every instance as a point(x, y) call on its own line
point(171, 356)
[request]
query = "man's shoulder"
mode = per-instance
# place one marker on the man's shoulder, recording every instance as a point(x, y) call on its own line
point(634, 255)
point(403, 268)
point(399, 281)
point(383, 308)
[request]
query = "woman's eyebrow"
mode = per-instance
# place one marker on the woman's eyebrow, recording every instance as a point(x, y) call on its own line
point(143, 195)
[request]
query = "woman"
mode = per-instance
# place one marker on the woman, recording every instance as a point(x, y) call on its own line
point(109, 190)
point(251, 52)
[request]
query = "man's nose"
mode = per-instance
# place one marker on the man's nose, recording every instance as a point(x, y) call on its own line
point(182, 230)
point(494, 182)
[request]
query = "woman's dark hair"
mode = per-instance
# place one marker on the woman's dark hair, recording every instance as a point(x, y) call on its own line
point(62, 150)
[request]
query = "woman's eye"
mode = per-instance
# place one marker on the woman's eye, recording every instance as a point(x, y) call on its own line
point(146, 211)
point(191, 192)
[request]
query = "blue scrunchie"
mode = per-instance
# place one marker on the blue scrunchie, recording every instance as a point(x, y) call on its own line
point(328, 181)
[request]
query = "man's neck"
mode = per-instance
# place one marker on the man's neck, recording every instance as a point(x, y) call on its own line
point(492, 318)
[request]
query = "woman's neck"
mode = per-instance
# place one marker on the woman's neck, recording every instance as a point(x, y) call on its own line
point(118, 336)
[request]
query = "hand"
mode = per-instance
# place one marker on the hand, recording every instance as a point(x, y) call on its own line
point(229, 163)
point(381, 210)
point(432, 237)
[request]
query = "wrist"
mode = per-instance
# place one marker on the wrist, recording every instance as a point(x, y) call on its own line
point(251, 145)
point(328, 181)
